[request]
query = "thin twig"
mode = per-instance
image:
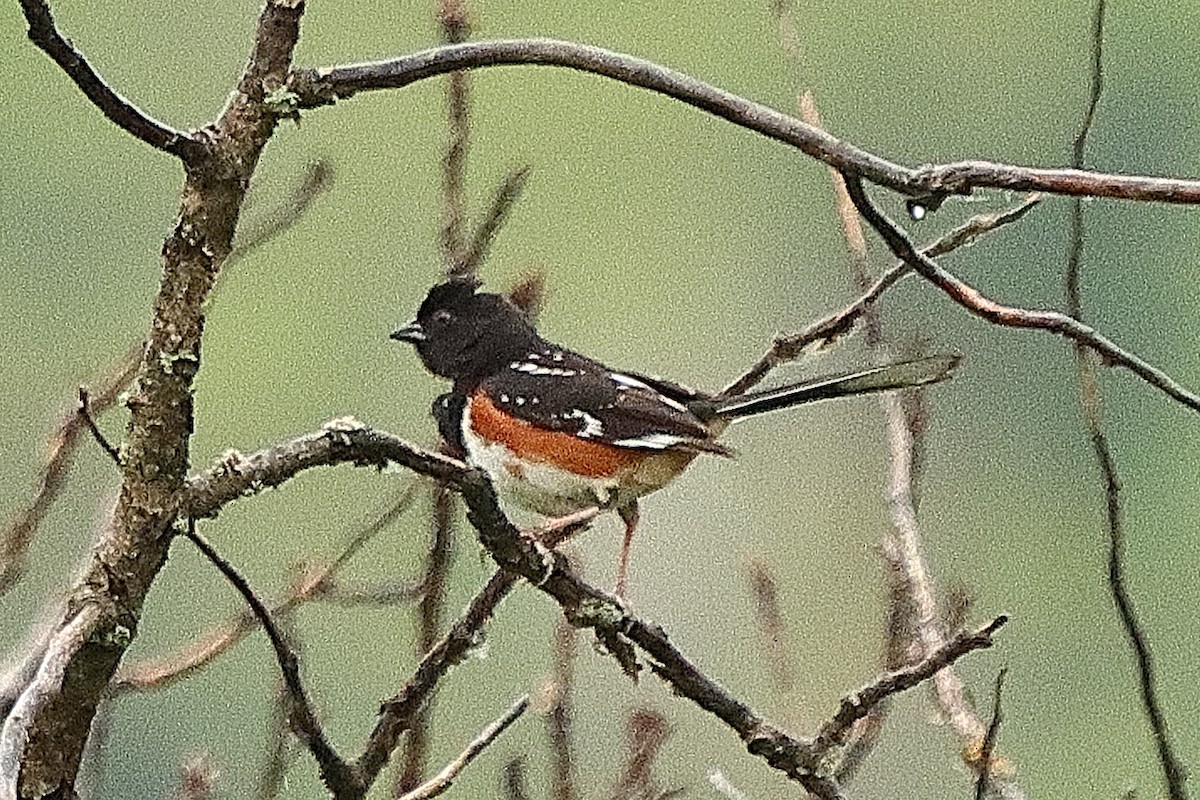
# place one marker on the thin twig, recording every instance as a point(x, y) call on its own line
point(856, 706)
point(506, 196)
point(85, 412)
point(124, 114)
point(514, 780)
point(645, 735)
point(279, 747)
point(898, 651)
point(399, 712)
point(974, 301)
point(455, 22)
point(1174, 772)
point(984, 780)
point(559, 717)
point(335, 773)
point(442, 781)
point(163, 671)
point(827, 330)
point(317, 180)
point(429, 624)
point(771, 624)
point(60, 447)
point(325, 85)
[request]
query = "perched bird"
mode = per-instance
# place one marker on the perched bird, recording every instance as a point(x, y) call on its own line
point(558, 432)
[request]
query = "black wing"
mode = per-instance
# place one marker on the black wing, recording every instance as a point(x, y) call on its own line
point(561, 390)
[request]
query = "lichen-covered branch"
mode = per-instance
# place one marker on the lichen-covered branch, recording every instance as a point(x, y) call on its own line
point(44, 735)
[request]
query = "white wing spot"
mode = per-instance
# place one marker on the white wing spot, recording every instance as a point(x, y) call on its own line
point(651, 441)
point(503, 398)
point(557, 356)
point(592, 427)
point(536, 369)
point(520, 400)
point(624, 382)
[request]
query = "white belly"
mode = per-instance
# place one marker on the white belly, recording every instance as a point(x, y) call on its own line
point(538, 487)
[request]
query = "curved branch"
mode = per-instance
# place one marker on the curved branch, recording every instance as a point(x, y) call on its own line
point(974, 301)
point(124, 114)
point(322, 86)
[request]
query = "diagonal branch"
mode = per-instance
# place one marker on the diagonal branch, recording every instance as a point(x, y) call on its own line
point(325, 85)
point(517, 556)
point(334, 771)
point(503, 200)
point(829, 329)
point(857, 705)
point(402, 711)
point(127, 116)
point(315, 583)
point(441, 782)
point(974, 301)
point(18, 535)
point(987, 749)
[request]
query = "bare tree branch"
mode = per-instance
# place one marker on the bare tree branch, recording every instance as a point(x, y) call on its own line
point(161, 672)
point(507, 194)
point(455, 22)
point(646, 733)
point(517, 555)
point(400, 711)
point(429, 623)
point(984, 780)
point(280, 748)
point(439, 783)
point(1010, 316)
point(559, 717)
point(317, 179)
point(1174, 772)
point(325, 85)
point(47, 728)
point(16, 538)
point(856, 706)
point(134, 121)
point(771, 624)
point(514, 780)
point(829, 329)
point(335, 773)
point(85, 412)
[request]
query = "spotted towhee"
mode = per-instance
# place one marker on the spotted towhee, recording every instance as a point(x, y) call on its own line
point(558, 432)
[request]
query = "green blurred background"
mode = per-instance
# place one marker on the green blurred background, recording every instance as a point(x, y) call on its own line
point(676, 244)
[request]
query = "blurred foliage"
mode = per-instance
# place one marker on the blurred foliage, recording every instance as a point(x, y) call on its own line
point(676, 244)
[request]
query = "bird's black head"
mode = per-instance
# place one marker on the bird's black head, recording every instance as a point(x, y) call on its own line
point(466, 335)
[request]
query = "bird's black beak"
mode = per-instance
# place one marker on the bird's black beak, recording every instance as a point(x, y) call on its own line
point(411, 333)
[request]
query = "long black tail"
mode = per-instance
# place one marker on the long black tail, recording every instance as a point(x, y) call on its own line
point(900, 375)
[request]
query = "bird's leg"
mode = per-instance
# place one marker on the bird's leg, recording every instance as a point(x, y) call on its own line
point(629, 515)
point(556, 530)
